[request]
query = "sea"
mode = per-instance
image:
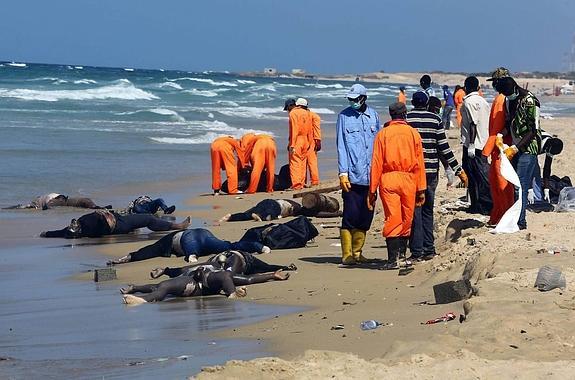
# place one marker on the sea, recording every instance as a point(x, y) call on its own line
point(112, 134)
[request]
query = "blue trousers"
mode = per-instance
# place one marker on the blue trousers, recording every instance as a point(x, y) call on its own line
point(356, 215)
point(150, 207)
point(525, 165)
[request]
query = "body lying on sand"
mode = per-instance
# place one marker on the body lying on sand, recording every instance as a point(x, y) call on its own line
point(222, 273)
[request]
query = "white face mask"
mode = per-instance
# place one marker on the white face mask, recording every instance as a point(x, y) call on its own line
point(513, 96)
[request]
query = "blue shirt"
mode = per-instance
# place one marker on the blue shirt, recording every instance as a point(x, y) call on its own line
point(355, 133)
point(448, 96)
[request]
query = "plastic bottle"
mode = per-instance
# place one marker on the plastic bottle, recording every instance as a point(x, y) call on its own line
point(369, 325)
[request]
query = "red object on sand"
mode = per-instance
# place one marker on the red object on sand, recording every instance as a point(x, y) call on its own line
point(447, 317)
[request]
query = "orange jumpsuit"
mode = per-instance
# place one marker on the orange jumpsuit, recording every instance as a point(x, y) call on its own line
point(260, 151)
point(502, 192)
point(458, 100)
point(223, 151)
point(398, 170)
point(401, 97)
point(300, 143)
point(312, 155)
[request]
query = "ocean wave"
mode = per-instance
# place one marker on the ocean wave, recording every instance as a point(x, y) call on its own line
point(173, 115)
point(61, 81)
point(206, 138)
point(43, 79)
point(121, 89)
point(16, 64)
point(252, 112)
point(262, 87)
point(205, 80)
point(128, 69)
point(196, 92)
point(287, 85)
point(243, 81)
point(170, 85)
point(85, 81)
point(324, 86)
point(323, 111)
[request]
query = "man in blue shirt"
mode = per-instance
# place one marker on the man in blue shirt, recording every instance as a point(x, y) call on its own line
point(447, 108)
point(356, 128)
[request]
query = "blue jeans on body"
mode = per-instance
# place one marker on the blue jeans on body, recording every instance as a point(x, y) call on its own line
point(525, 165)
point(201, 242)
point(150, 207)
point(421, 241)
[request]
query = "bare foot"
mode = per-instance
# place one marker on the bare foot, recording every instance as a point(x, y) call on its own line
point(157, 272)
point(225, 218)
point(239, 293)
point(128, 289)
point(121, 260)
point(129, 299)
point(256, 217)
point(191, 259)
point(281, 276)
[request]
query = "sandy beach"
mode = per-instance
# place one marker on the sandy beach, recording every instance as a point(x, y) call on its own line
point(512, 329)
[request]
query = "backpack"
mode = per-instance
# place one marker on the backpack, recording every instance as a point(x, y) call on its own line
point(293, 234)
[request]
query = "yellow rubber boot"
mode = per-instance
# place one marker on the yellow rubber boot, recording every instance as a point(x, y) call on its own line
point(357, 242)
point(346, 252)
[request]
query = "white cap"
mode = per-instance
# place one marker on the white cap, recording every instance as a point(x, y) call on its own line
point(301, 102)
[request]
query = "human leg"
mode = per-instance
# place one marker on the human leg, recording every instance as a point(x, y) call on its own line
point(258, 162)
point(231, 168)
point(161, 248)
point(446, 117)
point(270, 167)
point(525, 167)
point(216, 169)
point(312, 166)
point(427, 215)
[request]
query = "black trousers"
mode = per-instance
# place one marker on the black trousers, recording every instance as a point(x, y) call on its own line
point(477, 170)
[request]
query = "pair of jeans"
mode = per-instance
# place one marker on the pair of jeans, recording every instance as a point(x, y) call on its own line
point(264, 209)
point(201, 242)
point(446, 117)
point(150, 207)
point(525, 165)
point(477, 169)
point(421, 241)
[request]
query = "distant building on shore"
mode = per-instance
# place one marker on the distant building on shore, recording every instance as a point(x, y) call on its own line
point(270, 71)
point(298, 72)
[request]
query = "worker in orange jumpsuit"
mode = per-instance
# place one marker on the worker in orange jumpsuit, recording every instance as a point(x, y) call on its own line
point(260, 152)
point(502, 192)
point(398, 170)
point(316, 147)
point(300, 141)
point(458, 96)
point(223, 152)
point(401, 98)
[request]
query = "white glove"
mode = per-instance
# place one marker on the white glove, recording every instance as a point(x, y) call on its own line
point(530, 196)
point(546, 195)
point(471, 151)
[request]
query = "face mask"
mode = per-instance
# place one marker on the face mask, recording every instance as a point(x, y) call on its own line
point(356, 105)
point(513, 96)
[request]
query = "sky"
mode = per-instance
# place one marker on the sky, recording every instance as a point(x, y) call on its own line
point(329, 36)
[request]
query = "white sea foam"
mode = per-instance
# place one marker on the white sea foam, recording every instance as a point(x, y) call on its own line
point(16, 64)
point(243, 81)
point(287, 85)
point(158, 111)
point(252, 112)
point(79, 67)
point(128, 69)
point(196, 92)
point(85, 81)
point(121, 89)
point(323, 111)
point(263, 87)
point(171, 85)
point(205, 80)
point(324, 86)
point(60, 81)
point(43, 79)
point(205, 138)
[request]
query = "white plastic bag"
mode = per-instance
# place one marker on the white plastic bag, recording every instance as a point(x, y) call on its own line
point(508, 222)
point(566, 199)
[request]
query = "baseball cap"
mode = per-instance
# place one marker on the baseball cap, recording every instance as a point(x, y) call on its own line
point(288, 103)
point(301, 102)
point(419, 98)
point(500, 72)
point(356, 90)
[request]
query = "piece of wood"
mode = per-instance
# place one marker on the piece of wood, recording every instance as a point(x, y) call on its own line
point(323, 190)
point(105, 274)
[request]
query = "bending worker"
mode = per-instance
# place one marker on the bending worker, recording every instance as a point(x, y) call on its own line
point(356, 128)
point(223, 152)
point(260, 151)
point(300, 140)
point(398, 170)
point(551, 146)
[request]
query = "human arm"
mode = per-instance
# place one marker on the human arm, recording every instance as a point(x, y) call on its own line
point(342, 156)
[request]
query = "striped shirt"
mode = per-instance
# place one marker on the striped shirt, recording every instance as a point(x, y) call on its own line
point(435, 145)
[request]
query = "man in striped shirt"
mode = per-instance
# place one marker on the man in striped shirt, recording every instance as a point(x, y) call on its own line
point(430, 127)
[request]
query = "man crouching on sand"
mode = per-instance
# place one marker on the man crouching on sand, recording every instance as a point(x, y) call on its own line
point(398, 170)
